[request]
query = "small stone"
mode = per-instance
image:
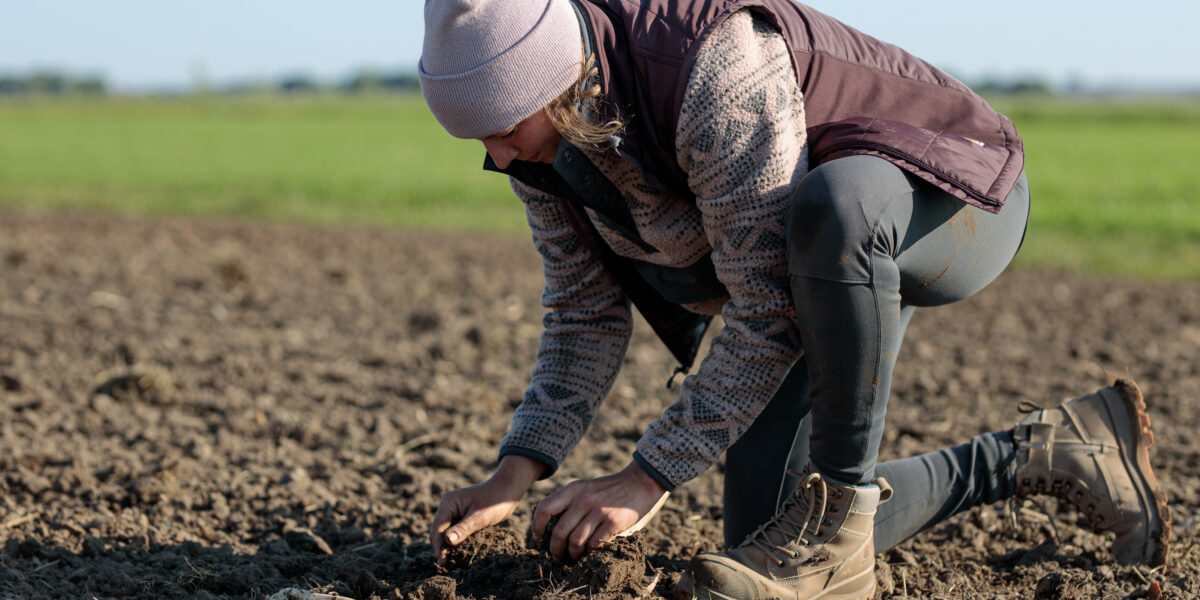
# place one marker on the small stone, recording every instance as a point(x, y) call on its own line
point(220, 506)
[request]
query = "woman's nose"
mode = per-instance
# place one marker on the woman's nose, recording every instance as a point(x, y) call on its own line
point(502, 154)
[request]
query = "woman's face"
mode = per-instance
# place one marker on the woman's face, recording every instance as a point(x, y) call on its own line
point(533, 140)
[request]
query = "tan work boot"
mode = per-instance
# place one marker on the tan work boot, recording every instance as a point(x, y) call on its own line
point(821, 544)
point(1092, 453)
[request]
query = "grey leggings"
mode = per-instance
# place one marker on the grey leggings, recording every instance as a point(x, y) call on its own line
point(869, 242)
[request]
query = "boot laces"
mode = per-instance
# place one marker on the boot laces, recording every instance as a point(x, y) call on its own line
point(1027, 406)
point(1016, 507)
point(811, 487)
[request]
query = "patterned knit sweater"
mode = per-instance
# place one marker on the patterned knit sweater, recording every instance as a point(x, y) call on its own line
point(741, 139)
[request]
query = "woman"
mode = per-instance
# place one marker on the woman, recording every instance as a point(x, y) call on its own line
point(812, 185)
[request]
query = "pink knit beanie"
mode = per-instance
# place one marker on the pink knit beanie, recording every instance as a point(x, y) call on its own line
point(486, 65)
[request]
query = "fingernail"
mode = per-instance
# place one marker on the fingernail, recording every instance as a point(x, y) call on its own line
point(453, 537)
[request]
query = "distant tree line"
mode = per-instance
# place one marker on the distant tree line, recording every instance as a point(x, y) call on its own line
point(364, 81)
point(1033, 86)
point(51, 83)
point(54, 83)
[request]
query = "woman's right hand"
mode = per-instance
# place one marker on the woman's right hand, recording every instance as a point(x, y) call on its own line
point(466, 510)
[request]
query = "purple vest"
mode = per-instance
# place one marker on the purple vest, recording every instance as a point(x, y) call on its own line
point(861, 95)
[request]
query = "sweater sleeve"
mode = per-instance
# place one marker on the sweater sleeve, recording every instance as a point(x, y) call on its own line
point(586, 333)
point(741, 139)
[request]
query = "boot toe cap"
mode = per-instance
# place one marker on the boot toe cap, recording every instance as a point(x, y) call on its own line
point(715, 576)
point(1148, 542)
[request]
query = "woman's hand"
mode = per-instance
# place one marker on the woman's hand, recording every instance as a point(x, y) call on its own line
point(466, 510)
point(594, 510)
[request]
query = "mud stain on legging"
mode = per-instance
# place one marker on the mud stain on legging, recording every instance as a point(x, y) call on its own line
point(926, 282)
point(962, 228)
point(965, 230)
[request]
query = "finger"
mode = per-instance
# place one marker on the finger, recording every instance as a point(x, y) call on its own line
point(607, 529)
point(446, 513)
point(548, 507)
point(474, 521)
point(566, 524)
point(578, 539)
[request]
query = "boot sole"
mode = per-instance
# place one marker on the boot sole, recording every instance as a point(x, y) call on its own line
point(687, 589)
point(1137, 460)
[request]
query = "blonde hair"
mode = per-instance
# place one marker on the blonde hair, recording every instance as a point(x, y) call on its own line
point(565, 114)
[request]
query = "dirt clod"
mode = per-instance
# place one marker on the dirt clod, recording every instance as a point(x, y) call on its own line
point(1051, 587)
point(438, 587)
point(302, 539)
point(148, 383)
point(10, 383)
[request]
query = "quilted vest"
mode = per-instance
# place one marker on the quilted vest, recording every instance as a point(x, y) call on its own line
point(861, 95)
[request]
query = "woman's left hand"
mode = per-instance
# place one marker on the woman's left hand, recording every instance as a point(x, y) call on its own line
point(595, 510)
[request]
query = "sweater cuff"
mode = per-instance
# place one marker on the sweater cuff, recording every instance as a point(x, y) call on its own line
point(652, 472)
point(551, 464)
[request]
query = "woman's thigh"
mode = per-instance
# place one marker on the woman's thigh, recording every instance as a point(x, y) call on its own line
point(949, 250)
point(851, 213)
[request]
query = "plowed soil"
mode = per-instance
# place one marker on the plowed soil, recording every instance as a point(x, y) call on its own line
point(211, 409)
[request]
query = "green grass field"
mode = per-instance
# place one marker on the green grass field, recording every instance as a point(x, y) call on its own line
point(328, 159)
point(1115, 186)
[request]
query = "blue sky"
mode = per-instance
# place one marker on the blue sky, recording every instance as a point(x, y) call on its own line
point(140, 44)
